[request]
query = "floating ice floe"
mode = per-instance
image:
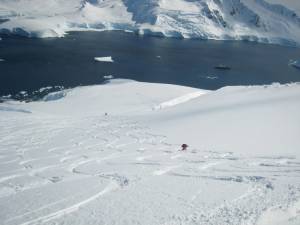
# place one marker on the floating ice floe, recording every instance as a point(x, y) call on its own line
point(295, 63)
point(108, 77)
point(104, 59)
point(23, 93)
point(211, 77)
point(45, 89)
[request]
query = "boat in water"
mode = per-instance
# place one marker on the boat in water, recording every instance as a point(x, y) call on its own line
point(222, 67)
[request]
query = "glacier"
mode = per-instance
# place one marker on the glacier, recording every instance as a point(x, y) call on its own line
point(266, 21)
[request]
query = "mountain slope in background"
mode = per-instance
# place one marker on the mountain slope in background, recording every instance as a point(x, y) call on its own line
point(255, 20)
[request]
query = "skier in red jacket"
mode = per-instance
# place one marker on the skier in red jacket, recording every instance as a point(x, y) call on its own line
point(184, 147)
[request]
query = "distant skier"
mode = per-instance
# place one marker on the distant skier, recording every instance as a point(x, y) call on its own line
point(184, 147)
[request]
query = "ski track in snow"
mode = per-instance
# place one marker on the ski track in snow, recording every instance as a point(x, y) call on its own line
point(44, 158)
point(70, 209)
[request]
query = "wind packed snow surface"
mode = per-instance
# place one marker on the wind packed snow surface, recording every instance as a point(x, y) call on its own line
point(254, 20)
point(109, 154)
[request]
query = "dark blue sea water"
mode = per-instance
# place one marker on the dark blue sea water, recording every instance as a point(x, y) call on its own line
point(34, 63)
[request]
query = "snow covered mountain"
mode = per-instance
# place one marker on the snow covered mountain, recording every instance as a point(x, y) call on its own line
point(109, 154)
point(255, 20)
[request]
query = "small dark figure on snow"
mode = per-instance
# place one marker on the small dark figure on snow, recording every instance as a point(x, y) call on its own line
point(184, 147)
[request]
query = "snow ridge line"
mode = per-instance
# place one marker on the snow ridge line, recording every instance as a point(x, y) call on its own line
point(179, 100)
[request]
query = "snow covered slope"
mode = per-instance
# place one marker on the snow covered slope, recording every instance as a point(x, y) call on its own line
point(109, 154)
point(256, 20)
point(291, 4)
